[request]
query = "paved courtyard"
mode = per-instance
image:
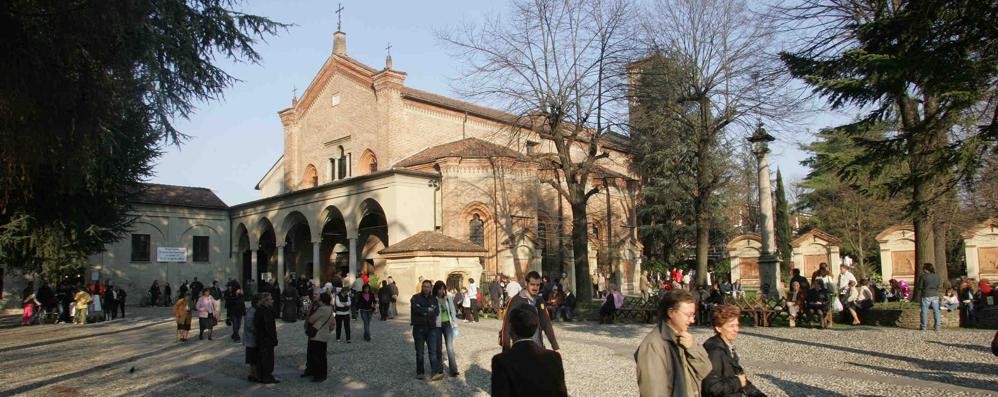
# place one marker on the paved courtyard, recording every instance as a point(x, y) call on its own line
point(139, 356)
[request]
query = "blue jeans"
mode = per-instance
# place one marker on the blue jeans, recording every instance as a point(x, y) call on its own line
point(931, 301)
point(430, 336)
point(447, 333)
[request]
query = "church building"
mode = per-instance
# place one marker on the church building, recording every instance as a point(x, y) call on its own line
point(368, 165)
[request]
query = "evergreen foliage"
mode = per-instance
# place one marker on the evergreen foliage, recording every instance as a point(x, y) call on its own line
point(784, 233)
point(88, 96)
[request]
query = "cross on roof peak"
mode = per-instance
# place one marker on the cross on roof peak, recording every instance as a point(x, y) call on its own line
point(339, 17)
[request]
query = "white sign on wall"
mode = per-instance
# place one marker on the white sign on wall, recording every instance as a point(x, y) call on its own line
point(171, 254)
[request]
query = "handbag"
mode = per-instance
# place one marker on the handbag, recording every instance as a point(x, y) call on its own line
point(836, 306)
point(311, 330)
point(212, 321)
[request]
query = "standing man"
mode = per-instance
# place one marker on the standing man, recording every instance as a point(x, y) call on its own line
point(530, 297)
point(845, 276)
point(473, 291)
point(928, 289)
point(236, 309)
point(110, 303)
point(425, 332)
point(196, 287)
point(120, 300)
point(356, 288)
point(266, 338)
point(527, 369)
point(669, 361)
point(392, 310)
point(495, 295)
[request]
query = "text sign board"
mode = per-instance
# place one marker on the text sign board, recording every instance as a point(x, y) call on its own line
point(171, 254)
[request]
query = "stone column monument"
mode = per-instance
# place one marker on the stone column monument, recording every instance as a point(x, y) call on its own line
point(769, 269)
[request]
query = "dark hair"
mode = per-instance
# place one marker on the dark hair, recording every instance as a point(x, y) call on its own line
point(671, 301)
point(929, 268)
point(796, 271)
point(439, 285)
point(424, 282)
point(523, 321)
point(384, 283)
point(471, 280)
point(365, 287)
point(533, 275)
point(724, 313)
point(326, 298)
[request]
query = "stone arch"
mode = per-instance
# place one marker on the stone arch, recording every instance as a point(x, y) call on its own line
point(242, 248)
point(296, 235)
point(333, 251)
point(372, 220)
point(266, 247)
point(368, 163)
point(491, 260)
point(310, 178)
point(370, 259)
point(149, 227)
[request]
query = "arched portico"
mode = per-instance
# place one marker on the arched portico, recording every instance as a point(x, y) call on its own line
point(372, 230)
point(333, 253)
point(294, 258)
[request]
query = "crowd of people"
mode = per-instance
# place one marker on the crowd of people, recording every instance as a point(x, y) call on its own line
point(71, 301)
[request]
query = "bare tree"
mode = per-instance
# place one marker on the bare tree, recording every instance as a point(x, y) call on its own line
point(727, 78)
point(558, 65)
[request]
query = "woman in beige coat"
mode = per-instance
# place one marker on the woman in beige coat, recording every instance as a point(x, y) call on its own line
point(181, 310)
point(669, 361)
point(321, 320)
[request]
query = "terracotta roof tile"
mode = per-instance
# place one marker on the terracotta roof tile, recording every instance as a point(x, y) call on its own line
point(180, 196)
point(432, 242)
point(465, 148)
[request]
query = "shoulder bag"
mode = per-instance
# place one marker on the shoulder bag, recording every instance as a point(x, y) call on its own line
point(311, 330)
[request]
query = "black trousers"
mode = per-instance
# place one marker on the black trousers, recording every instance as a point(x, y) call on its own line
point(121, 305)
point(315, 359)
point(265, 363)
point(474, 310)
point(342, 320)
point(383, 309)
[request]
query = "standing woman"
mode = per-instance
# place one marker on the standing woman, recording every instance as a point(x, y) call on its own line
point(727, 377)
point(384, 300)
point(206, 313)
point(181, 310)
point(342, 308)
point(365, 306)
point(446, 321)
point(466, 304)
point(320, 322)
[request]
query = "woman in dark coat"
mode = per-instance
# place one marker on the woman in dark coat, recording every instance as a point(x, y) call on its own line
point(727, 378)
point(266, 338)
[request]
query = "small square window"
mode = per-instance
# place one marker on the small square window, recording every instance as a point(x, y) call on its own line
point(335, 100)
point(140, 247)
point(201, 249)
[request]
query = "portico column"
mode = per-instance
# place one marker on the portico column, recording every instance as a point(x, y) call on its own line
point(769, 269)
point(280, 266)
point(315, 261)
point(353, 256)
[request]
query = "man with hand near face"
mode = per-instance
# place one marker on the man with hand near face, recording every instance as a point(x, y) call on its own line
point(669, 361)
point(530, 296)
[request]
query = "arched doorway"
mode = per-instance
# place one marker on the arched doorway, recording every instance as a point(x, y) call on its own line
point(333, 254)
point(266, 254)
point(372, 231)
point(297, 247)
point(245, 254)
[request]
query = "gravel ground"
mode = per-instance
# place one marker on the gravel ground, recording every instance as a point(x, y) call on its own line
point(98, 360)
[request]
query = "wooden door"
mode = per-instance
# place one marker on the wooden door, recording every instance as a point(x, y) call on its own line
point(811, 263)
point(749, 268)
point(904, 263)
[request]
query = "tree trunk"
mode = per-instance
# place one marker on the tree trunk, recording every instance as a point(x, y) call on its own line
point(939, 242)
point(703, 242)
point(580, 248)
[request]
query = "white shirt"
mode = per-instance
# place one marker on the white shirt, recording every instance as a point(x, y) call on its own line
point(473, 290)
point(513, 288)
point(844, 279)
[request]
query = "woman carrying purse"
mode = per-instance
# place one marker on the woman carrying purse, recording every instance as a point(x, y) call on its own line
point(317, 327)
point(206, 313)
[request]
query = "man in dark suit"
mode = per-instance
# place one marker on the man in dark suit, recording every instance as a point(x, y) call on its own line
point(526, 369)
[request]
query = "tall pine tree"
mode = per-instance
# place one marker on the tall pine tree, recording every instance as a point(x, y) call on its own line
point(784, 233)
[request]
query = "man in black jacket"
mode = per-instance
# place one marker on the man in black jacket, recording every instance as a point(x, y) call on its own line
point(727, 377)
point(266, 338)
point(236, 309)
point(425, 331)
point(526, 369)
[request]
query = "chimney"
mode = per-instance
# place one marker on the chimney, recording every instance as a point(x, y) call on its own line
point(339, 43)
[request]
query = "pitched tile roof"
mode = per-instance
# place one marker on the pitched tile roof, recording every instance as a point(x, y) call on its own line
point(465, 148)
point(430, 242)
point(180, 196)
point(547, 161)
point(818, 233)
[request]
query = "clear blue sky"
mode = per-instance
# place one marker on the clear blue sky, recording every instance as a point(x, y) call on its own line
point(235, 141)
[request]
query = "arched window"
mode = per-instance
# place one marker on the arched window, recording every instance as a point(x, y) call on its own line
point(477, 228)
point(311, 176)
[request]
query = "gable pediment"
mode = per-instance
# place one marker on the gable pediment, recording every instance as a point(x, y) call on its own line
point(343, 65)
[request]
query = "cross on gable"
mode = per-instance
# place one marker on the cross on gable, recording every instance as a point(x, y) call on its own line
point(339, 17)
point(389, 48)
